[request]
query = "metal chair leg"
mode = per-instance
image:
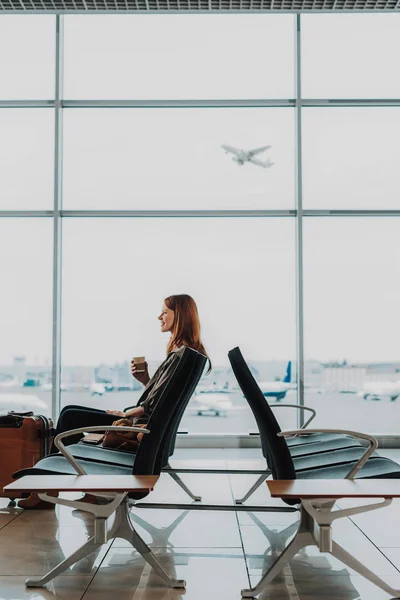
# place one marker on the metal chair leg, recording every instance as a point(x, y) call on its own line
point(80, 553)
point(300, 541)
point(251, 491)
point(349, 560)
point(121, 527)
point(181, 484)
point(126, 531)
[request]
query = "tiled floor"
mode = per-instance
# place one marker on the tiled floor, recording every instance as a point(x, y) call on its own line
point(217, 553)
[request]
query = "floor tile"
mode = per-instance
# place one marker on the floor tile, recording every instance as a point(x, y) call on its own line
point(67, 588)
point(318, 587)
point(392, 554)
point(161, 528)
point(35, 550)
point(382, 527)
point(7, 516)
point(268, 518)
point(209, 573)
point(214, 489)
point(259, 544)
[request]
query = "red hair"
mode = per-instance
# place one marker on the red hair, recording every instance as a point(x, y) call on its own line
point(186, 326)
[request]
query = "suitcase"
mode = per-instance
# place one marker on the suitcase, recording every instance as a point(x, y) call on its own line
point(24, 439)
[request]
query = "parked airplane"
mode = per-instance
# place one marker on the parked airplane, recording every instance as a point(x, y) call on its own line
point(242, 156)
point(216, 402)
point(22, 403)
point(378, 390)
point(278, 389)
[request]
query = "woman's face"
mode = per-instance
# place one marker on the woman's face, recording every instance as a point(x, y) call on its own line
point(166, 318)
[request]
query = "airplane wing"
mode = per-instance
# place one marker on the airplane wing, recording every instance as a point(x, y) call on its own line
point(259, 163)
point(230, 149)
point(257, 150)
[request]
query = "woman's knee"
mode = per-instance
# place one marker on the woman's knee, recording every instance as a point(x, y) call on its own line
point(69, 417)
point(69, 407)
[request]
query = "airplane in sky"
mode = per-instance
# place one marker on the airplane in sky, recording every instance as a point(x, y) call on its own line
point(242, 156)
point(278, 389)
point(378, 390)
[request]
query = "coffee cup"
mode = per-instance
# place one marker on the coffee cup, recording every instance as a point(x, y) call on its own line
point(140, 364)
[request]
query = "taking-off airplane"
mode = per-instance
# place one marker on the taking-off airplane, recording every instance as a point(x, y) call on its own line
point(242, 156)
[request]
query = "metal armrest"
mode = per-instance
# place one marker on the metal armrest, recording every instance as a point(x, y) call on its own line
point(71, 459)
point(299, 407)
point(357, 434)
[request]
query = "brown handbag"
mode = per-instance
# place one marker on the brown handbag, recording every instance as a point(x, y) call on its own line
point(121, 440)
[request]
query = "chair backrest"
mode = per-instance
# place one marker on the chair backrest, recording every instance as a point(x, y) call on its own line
point(152, 446)
point(168, 447)
point(278, 455)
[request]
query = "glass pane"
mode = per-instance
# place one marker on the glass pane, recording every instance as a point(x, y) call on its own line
point(28, 42)
point(26, 314)
point(350, 56)
point(26, 158)
point(173, 159)
point(351, 158)
point(124, 269)
point(188, 56)
point(351, 298)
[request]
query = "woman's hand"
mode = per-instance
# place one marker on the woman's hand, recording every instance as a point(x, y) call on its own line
point(116, 413)
point(142, 376)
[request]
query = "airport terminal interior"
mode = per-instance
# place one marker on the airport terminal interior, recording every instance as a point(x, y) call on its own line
point(244, 152)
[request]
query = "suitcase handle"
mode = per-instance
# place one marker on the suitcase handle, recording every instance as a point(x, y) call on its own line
point(14, 421)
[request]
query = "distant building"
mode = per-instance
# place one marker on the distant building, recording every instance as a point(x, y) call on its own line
point(342, 378)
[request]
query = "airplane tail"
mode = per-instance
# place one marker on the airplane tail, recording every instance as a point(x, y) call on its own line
point(288, 376)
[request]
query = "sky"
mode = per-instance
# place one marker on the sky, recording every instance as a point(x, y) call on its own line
point(241, 271)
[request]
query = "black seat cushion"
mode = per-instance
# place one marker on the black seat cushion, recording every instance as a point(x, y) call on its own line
point(379, 468)
point(56, 464)
point(314, 438)
point(325, 446)
point(102, 455)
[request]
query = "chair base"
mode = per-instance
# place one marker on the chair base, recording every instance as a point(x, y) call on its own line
point(306, 536)
point(121, 528)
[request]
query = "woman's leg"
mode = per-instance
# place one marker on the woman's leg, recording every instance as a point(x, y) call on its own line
point(73, 417)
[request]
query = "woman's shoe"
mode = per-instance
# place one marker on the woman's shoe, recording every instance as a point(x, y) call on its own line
point(34, 502)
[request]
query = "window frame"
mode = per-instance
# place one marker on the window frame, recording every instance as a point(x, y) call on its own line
point(57, 214)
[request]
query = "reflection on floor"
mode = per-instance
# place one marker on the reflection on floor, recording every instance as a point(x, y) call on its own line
point(217, 553)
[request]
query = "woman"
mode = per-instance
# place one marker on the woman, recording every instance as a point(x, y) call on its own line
point(180, 318)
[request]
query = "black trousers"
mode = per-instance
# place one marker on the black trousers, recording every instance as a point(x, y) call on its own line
point(74, 416)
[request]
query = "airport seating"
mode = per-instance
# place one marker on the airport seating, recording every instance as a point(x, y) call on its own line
point(310, 450)
point(314, 444)
point(127, 458)
point(145, 462)
point(317, 497)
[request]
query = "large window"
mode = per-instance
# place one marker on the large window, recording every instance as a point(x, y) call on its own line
point(350, 56)
point(181, 156)
point(25, 316)
point(351, 304)
point(179, 56)
point(26, 158)
point(172, 158)
point(351, 158)
point(117, 273)
point(27, 51)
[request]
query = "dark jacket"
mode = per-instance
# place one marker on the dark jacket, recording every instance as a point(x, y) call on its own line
point(152, 390)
